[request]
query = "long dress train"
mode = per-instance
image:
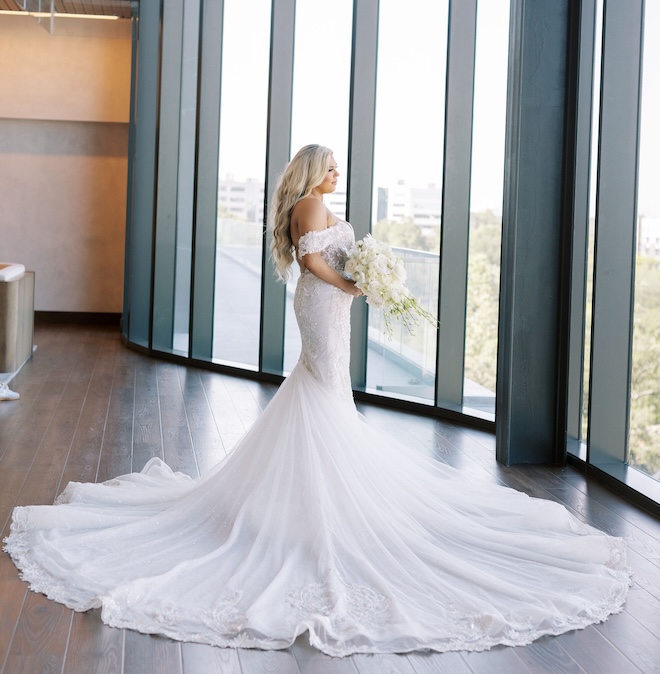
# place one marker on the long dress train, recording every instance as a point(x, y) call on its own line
point(317, 522)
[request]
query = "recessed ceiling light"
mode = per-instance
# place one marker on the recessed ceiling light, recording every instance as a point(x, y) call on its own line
point(58, 15)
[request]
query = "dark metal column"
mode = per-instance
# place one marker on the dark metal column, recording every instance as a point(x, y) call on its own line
point(527, 382)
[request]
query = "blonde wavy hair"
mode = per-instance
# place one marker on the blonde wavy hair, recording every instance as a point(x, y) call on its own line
point(303, 173)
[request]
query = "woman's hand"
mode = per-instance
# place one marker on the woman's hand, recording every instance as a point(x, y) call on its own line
point(352, 289)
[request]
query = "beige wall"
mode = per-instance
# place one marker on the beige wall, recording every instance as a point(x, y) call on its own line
point(64, 106)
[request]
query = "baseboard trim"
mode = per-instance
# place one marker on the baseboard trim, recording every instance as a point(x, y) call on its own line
point(78, 317)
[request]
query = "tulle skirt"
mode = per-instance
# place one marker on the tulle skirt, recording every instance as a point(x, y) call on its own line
point(317, 522)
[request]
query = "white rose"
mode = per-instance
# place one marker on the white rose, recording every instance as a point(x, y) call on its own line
point(375, 288)
point(375, 301)
point(381, 265)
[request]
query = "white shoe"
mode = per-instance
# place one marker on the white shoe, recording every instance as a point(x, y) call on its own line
point(6, 393)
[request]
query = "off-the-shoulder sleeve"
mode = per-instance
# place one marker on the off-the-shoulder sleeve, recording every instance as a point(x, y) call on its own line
point(312, 242)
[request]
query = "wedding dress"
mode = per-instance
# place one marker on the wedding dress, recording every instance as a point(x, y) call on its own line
point(317, 522)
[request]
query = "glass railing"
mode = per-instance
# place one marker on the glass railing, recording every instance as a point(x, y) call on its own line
point(237, 308)
point(404, 364)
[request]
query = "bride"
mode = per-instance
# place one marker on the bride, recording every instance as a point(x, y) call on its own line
point(317, 522)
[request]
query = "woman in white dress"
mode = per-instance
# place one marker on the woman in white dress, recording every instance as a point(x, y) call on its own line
point(317, 522)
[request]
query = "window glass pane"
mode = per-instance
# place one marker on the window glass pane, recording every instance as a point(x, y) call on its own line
point(241, 171)
point(593, 181)
point(407, 200)
point(486, 195)
point(321, 88)
point(644, 439)
point(186, 177)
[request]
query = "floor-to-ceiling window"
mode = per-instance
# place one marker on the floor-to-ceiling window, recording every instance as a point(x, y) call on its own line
point(319, 115)
point(176, 175)
point(407, 192)
point(644, 424)
point(591, 222)
point(411, 99)
point(293, 73)
point(241, 175)
point(616, 247)
point(486, 197)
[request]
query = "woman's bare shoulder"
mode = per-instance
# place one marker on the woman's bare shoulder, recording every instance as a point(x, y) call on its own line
point(310, 207)
point(308, 215)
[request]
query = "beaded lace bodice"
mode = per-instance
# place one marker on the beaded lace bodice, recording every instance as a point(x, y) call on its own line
point(333, 243)
point(323, 311)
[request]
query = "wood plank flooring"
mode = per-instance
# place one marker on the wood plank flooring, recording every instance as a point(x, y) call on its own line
point(91, 409)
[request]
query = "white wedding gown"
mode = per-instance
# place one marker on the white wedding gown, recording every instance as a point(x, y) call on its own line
point(317, 522)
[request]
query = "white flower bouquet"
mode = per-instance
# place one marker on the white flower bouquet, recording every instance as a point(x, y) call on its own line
point(380, 275)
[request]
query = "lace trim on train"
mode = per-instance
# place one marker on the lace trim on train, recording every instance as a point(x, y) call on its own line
point(617, 558)
point(17, 545)
point(349, 604)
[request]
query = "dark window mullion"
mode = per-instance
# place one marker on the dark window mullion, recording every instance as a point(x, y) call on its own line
point(456, 203)
point(362, 114)
point(278, 149)
point(206, 179)
point(580, 160)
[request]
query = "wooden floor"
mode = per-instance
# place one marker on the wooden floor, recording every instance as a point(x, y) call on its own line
point(91, 409)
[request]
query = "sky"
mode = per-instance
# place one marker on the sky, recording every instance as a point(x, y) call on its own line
point(410, 89)
point(410, 92)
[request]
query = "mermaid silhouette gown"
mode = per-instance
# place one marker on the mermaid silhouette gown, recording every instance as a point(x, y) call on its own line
point(317, 522)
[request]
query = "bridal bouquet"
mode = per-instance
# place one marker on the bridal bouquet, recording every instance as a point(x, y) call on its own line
point(380, 275)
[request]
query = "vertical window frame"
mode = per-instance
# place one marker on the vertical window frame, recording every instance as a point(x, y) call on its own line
point(615, 243)
point(278, 151)
point(455, 228)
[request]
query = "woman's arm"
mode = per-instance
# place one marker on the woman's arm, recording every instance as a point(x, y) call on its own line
point(311, 215)
point(319, 267)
